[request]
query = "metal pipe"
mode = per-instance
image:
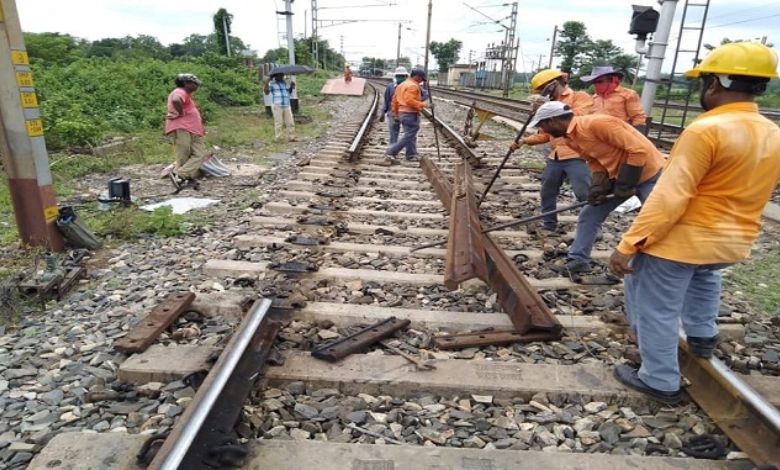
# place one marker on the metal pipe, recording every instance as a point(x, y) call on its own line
point(655, 55)
point(191, 428)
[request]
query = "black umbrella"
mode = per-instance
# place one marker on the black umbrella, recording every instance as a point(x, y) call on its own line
point(290, 69)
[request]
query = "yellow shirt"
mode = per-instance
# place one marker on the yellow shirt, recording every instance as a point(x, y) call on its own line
point(706, 207)
point(581, 104)
point(607, 143)
point(623, 103)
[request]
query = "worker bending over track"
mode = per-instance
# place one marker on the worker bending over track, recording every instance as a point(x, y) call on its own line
point(704, 215)
point(622, 160)
point(562, 161)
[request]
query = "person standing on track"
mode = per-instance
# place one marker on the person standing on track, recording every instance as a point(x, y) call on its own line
point(280, 106)
point(704, 215)
point(406, 106)
point(611, 98)
point(393, 125)
point(562, 161)
point(623, 161)
point(184, 123)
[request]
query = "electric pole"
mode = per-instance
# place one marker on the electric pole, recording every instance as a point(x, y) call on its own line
point(428, 36)
point(398, 49)
point(508, 64)
point(315, 46)
point(291, 51)
point(225, 32)
point(552, 46)
point(21, 143)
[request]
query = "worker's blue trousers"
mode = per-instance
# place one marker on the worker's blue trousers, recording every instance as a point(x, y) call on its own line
point(394, 127)
point(411, 123)
point(659, 294)
point(591, 217)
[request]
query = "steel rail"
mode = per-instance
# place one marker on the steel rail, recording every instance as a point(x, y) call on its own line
point(746, 417)
point(362, 133)
point(176, 447)
point(460, 143)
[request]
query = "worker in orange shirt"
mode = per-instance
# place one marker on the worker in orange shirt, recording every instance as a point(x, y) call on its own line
point(611, 98)
point(622, 160)
point(562, 162)
point(704, 216)
point(347, 73)
point(406, 106)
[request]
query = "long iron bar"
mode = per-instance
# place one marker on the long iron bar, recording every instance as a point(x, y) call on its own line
point(509, 224)
point(170, 458)
point(506, 157)
point(433, 115)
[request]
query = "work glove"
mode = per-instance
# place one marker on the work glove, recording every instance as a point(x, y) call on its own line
point(516, 145)
point(382, 117)
point(628, 178)
point(600, 188)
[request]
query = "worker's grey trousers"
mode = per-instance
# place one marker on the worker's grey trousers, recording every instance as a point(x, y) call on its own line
point(394, 127)
point(411, 123)
point(591, 217)
point(659, 294)
point(573, 169)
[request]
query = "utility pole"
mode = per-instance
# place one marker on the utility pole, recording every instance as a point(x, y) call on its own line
point(342, 46)
point(21, 140)
point(539, 66)
point(315, 46)
point(398, 49)
point(552, 46)
point(291, 51)
point(225, 32)
point(508, 65)
point(428, 36)
point(655, 54)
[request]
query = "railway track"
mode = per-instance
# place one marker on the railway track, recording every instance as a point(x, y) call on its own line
point(333, 249)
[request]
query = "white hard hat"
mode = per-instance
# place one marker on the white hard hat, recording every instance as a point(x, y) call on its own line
point(400, 71)
point(550, 110)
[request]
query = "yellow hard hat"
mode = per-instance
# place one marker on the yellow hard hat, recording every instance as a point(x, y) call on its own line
point(750, 59)
point(543, 77)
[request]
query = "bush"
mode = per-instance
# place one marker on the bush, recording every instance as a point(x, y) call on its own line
point(85, 101)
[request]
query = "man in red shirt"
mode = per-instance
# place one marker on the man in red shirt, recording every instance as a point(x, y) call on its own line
point(184, 124)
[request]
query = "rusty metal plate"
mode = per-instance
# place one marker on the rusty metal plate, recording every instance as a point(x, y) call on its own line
point(294, 267)
point(146, 332)
point(342, 348)
point(488, 338)
point(465, 254)
point(306, 241)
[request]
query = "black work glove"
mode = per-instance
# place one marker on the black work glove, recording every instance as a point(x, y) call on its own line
point(600, 188)
point(627, 180)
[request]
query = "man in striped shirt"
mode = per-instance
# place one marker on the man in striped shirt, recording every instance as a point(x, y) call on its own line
point(280, 106)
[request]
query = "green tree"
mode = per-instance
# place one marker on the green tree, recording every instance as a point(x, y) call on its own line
point(53, 48)
point(222, 22)
point(446, 53)
point(194, 45)
point(723, 41)
point(573, 46)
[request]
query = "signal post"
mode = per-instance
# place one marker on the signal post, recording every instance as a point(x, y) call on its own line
point(21, 139)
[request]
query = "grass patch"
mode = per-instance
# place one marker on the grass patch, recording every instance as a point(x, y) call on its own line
point(759, 280)
point(129, 223)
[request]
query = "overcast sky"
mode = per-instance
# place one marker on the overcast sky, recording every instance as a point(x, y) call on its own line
point(257, 23)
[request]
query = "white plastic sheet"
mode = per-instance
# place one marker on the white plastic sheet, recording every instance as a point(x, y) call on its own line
point(181, 205)
point(631, 204)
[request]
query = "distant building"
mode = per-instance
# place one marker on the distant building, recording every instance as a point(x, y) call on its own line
point(452, 77)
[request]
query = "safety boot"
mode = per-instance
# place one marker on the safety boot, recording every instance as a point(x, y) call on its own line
point(701, 346)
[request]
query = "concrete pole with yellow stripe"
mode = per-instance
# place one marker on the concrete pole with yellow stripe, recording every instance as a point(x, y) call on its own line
point(21, 140)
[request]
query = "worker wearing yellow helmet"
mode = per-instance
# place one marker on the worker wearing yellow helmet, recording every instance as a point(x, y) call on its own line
point(562, 161)
point(703, 215)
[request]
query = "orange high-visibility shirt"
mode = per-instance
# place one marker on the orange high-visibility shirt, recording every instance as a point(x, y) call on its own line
point(706, 207)
point(606, 142)
point(407, 98)
point(581, 104)
point(623, 103)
